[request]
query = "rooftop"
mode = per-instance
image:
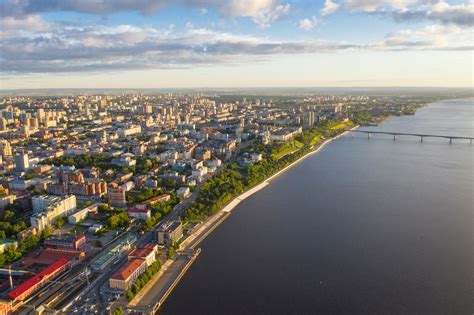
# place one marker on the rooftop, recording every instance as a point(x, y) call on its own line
point(141, 252)
point(126, 271)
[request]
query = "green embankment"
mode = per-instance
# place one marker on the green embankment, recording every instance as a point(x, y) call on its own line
point(286, 149)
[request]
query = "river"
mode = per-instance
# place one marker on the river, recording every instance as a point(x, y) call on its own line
point(364, 226)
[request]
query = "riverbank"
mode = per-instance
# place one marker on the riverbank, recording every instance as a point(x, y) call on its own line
point(164, 283)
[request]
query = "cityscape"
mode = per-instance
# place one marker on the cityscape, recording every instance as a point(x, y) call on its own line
point(124, 195)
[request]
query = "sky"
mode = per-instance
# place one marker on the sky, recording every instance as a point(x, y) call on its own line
point(235, 43)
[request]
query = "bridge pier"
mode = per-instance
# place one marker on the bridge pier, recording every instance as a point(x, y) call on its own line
point(368, 135)
point(450, 140)
point(421, 138)
point(393, 137)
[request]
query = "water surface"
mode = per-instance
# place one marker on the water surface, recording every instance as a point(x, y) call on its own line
point(365, 226)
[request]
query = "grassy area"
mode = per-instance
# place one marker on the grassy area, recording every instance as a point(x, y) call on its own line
point(287, 148)
point(338, 126)
point(315, 141)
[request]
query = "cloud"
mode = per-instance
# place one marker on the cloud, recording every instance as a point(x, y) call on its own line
point(441, 12)
point(307, 23)
point(329, 8)
point(262, 12)
point(11, 26)
point(437, 11)
point(126, 47)
point(268, 16)
point(101, 7)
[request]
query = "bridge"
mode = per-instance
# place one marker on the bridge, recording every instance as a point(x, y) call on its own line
point(394, 134)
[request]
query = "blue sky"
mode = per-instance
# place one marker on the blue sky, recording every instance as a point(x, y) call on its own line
point(235, 43)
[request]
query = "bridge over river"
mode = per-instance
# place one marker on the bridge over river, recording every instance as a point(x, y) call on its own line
point(420, 135)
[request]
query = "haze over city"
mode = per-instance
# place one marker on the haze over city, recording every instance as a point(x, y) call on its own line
point(235, 43)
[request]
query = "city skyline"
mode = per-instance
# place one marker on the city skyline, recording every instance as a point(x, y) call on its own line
point(210, 43)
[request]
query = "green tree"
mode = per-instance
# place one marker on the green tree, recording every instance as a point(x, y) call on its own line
point(170, 253)
point(9, 215)
point(59, 223)
point(129, 295)
point(46, 232)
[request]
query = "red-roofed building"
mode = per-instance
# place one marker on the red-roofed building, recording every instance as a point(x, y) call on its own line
point(65, 242)
point(50, 255)
point(128, 274)
point(154, 200)
point(148, 253)
point(29, 286)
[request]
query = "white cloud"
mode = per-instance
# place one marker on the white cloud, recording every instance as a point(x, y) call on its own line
point(265, 17)
point(329, 8)
point(409, 10)
point(307, 23)
point(11, 26)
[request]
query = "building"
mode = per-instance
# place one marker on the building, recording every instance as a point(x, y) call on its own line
point(58, 208)
point(5, 148)
point(155, 200)
point(6, 200)
point(4, 244)
point(25, 289)
point(22, 162)
point(71, 243)
point(128, 274)
point(114, 253)
point(285, 135)
point(183, 192)
point(169, 233)
point(82, 214)
point(42, 202)
point(139, 213)
point(117, 197)
point(21, 184)
point(125, 160)
point(147, 252)
point(128, 131)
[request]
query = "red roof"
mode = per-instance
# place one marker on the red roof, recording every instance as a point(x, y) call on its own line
point(141, 252)
point(25, 286)
point(127, 270)
point(138, 210)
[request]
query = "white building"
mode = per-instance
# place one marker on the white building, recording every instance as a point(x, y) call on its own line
point(128, 131)
point(82, 214)
point(183, 192)
point(199, 172)
point(60, 207)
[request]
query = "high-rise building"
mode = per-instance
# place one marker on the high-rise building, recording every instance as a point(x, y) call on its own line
point(117, 196)
point(3, 123)
point(22, 162)
point(40, 113)
point(311, 119)
point(5, 148)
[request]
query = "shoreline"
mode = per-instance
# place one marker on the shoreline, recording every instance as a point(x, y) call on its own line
point(205, 228)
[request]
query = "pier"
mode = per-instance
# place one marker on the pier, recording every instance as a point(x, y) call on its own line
point(421, 136)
